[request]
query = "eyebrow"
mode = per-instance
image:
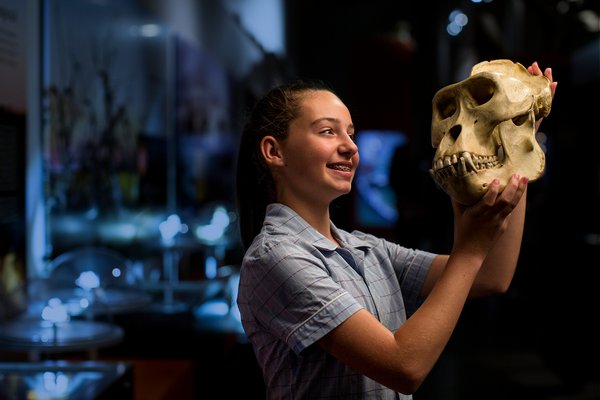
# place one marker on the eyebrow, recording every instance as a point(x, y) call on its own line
point(330, 119)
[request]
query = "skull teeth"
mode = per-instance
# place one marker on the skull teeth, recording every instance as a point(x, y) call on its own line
point(464, 163)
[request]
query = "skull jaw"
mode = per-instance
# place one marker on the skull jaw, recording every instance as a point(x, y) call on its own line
point(469, 189)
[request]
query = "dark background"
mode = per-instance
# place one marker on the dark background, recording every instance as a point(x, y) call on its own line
point(539, 341)
point(386, 60)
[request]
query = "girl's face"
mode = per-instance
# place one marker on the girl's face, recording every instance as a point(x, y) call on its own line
point(319, 156)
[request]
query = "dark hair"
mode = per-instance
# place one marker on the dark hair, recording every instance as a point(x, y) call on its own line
point(271, 115)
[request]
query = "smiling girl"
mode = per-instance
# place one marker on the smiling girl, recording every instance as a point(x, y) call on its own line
point(347, 315)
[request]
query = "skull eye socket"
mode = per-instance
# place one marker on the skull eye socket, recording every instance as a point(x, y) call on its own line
point(481, 90)
point(446, 106)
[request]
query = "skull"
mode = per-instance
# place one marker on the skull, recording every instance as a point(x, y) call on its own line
point(484, 128)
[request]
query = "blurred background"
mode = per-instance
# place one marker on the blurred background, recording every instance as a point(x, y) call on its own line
point(119, 127)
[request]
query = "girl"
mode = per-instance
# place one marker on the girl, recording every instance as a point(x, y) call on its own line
point(339, 315)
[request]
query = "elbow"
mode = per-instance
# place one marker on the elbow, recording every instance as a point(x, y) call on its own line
point(410, 386)
point(502, 288)
point(490, 288)
point(410, 381)
point(499, 287)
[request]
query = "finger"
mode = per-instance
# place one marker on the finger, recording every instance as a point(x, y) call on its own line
point(491, 195)
point(516, 192)
point(535, 69)
point(520, 184)
point(509, 197)
point(511, 188)
point(523, 182)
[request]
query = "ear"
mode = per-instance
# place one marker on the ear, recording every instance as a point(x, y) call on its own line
point(271, 152)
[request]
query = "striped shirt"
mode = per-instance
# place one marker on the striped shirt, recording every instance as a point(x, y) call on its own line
point(296, 286)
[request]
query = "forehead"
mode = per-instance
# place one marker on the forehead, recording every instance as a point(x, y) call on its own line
point(315, 100)
point(322, 103)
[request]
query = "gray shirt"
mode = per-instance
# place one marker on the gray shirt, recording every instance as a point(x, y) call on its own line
point(296, 286)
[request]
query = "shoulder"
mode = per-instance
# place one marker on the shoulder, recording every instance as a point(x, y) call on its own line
point(270, 245)
point(362, 239)
point(278, 254)
point(382, 247)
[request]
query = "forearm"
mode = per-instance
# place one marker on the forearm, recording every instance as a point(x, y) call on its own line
point(422, 339)
point(499, 266)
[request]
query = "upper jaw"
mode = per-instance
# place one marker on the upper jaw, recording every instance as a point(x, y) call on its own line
point(465, 162)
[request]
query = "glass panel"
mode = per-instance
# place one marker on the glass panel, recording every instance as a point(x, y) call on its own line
point(105, 131)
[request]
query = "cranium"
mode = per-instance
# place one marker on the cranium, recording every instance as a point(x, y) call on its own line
point(484, 128)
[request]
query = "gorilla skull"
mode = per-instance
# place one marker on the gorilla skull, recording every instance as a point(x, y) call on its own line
point(484, 128)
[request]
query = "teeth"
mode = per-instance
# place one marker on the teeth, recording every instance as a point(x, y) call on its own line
point(466, 156)
point(462, 167)
point(340, 167)
point(465, 163)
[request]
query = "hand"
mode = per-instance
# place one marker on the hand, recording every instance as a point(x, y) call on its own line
point(477, 227)
point(535, 69)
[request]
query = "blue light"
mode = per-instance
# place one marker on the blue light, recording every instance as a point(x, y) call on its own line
point(457, 20)
point(215, 230)
point(213, 308)
point(55, 311)
point(210, 267)
point(88, 280)
point(171, 227)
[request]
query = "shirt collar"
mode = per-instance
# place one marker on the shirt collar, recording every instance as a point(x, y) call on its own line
point(284, 220)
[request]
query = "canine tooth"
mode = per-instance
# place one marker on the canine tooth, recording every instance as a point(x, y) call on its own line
point(447, 161)
point(466, 156)
point(454, 159)
point(462, 167)
point(440, 163)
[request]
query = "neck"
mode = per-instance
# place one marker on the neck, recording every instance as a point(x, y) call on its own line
point(317, 217)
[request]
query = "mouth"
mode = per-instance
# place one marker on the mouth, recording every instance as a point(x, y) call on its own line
point(344, 167)
point(465, 163)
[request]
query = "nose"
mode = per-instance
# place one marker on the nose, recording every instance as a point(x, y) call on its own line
point(348, 146)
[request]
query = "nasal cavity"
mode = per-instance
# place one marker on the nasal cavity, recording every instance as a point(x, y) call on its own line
point(455, 131)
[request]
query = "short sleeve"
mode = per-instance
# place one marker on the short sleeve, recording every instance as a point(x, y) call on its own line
point(291, 294)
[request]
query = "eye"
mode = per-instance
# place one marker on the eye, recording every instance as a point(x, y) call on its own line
point(327, 131)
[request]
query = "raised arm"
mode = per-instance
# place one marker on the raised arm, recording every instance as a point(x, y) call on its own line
point(486, 246)
point(402, 359)
point(499, 266)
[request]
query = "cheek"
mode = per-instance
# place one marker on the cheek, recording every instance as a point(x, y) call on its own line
point(317, 155)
